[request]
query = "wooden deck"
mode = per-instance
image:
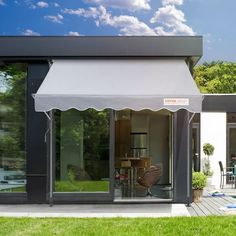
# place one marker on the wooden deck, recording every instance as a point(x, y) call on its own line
point(210, 206)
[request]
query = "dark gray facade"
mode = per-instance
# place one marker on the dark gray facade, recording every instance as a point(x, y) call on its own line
point(36, 147)
point(36, 48)
point(37, 53)
point(219, 103)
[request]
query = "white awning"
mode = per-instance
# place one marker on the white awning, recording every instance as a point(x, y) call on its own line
point(136, 84)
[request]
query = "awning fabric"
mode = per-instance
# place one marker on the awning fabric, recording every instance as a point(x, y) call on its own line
point(136, 84)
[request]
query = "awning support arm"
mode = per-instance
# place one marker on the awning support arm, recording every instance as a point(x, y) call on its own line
point(192, 116)
point(188, 158)
point(50, 130)
point(48, 116)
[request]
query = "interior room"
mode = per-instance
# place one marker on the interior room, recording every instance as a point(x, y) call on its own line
point(143, 155)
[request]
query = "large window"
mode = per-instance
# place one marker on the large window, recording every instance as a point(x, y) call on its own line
point(82, 151)
point(231, 140)
point(12, 128)
point(143, 155)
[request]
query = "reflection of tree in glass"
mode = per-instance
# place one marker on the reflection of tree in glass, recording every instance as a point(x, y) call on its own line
point(12, 117)
point(96, 133)
point(96, 142)
point(4, 85)
point(85, 131)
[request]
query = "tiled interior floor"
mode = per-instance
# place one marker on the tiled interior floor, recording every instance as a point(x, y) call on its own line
point(126, 191)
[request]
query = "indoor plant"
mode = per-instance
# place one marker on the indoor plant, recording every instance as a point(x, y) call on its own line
point(198, 183)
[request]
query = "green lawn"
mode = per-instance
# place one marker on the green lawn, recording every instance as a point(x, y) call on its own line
point(82, 186)
point(18, 189)
point(119, 226)
point(75, 186)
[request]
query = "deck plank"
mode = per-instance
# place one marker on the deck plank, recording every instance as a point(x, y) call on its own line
point(204, 209)
point(210, 206)
point(192, 211)
point(214, 203)
point(229, 199)
point(222, 201)
point(197, 209)
point(218, 201)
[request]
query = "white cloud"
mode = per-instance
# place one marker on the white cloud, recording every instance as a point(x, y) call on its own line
point(56, 4)
point(74, 33)
point(29, 32)
point(92, 12)
point(2, 3)
point(167, 19)
point(131, 5)
point(55, 19)
point(207, 38)
point(168, 15)
point(172, 21)
point(128, 25)
point(30, 4)
point(172, 2)
point(42, 4)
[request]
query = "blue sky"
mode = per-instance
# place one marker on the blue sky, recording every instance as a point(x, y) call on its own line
point(213, 19)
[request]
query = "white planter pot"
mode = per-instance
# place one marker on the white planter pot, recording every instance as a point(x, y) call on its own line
point(209, 183)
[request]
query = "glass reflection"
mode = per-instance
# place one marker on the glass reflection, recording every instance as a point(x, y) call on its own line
point(12, 128)
point(82, 146)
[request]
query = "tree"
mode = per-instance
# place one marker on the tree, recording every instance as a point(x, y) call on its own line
point(208, 150)
point(216, 77)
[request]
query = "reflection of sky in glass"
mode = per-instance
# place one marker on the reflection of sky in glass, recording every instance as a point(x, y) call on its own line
point(4, 82)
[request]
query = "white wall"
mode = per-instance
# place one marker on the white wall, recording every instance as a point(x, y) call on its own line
point(213, 131)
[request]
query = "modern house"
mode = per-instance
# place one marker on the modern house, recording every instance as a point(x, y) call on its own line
point(217, 125)
point(100, 111)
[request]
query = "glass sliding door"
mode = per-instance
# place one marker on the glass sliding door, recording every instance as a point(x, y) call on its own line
point(231, 140)
point(143, 155)
point(12, 128)
point(82, 160)
point(231, 149)
point(231, 157)
point(196, 146)
point(231, 143)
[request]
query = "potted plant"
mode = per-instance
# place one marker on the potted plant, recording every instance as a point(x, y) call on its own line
point(208, 150)
point(198, 183)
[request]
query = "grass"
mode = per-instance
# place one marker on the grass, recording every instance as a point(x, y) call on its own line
point(119, 226)
point(82, 186)
point(17, 189)
point(75, 186)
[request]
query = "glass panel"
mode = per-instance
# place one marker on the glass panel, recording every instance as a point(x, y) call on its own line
point(232, 147)
point(231, 117)
point(195, 147)
point(196, 118)
point(12, 128)
point(143, 154)
point(82, 151)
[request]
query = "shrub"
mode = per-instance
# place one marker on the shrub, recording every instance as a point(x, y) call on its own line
point(198, 180)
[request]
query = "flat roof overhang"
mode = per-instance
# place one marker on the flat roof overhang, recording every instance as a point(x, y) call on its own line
point(219, 103)
point(29, 48)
